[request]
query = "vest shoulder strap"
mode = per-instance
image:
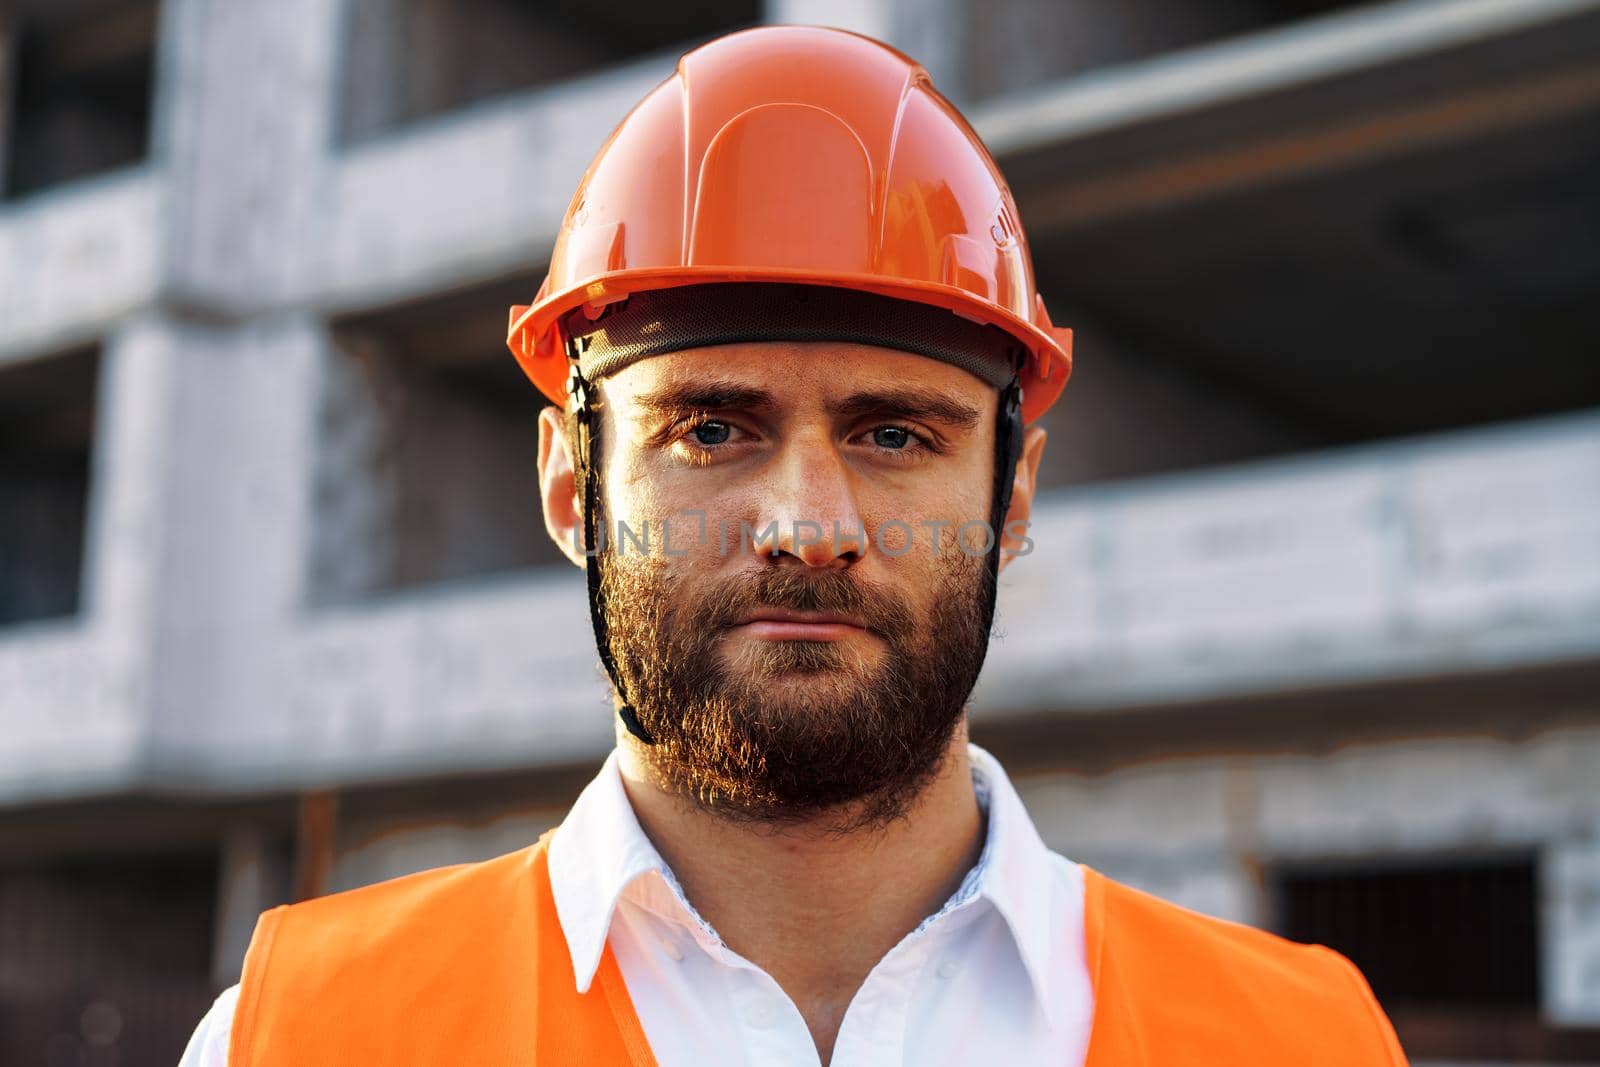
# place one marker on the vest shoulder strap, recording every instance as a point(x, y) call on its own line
point(1173, 986)
point(461, 964)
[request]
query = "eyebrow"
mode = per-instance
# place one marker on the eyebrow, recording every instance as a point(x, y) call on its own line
point(905, 403)
point(703, 396)
point(920, 404)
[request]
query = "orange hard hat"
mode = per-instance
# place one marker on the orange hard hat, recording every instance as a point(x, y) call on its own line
point(800, 155)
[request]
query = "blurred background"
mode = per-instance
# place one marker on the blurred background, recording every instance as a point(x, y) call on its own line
point(1310, 638)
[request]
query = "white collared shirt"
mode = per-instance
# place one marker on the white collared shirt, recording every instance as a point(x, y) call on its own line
point(998, 974)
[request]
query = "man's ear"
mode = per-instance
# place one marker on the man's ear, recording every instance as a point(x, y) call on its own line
point(1014, 541)
point(558, 485)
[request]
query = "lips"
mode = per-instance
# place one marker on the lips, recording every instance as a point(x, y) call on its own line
point(783, 624)
point(788, 615)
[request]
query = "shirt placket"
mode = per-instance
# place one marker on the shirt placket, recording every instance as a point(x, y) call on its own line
point(771, 1029)
point(874, 1028)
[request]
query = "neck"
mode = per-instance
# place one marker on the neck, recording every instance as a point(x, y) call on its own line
point(816, 910)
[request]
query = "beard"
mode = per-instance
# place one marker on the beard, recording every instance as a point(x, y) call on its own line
point(844, 734)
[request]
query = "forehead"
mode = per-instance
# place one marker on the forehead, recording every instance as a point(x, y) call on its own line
point(798, 374)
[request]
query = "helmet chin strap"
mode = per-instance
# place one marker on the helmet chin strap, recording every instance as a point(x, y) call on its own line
point(578, 388)
point(1008, 449)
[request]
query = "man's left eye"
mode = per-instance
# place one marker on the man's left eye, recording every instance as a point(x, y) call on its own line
point(891, 437)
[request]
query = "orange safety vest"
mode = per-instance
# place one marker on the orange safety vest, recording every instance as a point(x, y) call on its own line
point(468, 965)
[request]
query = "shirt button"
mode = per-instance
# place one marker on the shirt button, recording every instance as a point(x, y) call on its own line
point(760, 1014)
point(670, 947)
point(948, 969)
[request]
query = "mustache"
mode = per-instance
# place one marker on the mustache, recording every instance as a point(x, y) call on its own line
point(732, 599)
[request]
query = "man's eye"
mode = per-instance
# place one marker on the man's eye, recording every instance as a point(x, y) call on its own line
point(891, 437)
point(711, 432)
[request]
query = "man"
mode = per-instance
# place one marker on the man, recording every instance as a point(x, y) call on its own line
point(791, 324)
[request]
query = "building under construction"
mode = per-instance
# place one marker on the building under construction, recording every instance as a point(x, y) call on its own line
point(1310, 636)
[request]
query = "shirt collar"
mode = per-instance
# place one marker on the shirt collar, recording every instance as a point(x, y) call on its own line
point(599, 850)
point(1038, 893)
point(596, 852)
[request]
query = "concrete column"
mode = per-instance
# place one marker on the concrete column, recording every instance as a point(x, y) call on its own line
point(127, 524)
point(935, 34)
point(929, 31)
point(255, 877)
point(197, 535)
point(235, 536)
point(241, 136)
point(875, 18)
point(242, 128)
point(1571, 909)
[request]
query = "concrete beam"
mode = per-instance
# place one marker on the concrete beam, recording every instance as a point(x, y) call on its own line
point(76, 260)
point(1204, 831)
point(401, 215)
point(441, 204)
point(1256, 64)
point(1466, 551)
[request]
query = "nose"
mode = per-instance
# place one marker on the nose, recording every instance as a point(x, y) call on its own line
point(810, 508)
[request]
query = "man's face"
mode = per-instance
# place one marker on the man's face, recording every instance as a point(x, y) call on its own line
point(803, 630)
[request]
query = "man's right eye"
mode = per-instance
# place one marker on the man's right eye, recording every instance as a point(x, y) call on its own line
point(711, 432)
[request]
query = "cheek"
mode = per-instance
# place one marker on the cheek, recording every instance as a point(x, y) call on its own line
point(934, 507)
point(668, 517)
point(638, 493)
